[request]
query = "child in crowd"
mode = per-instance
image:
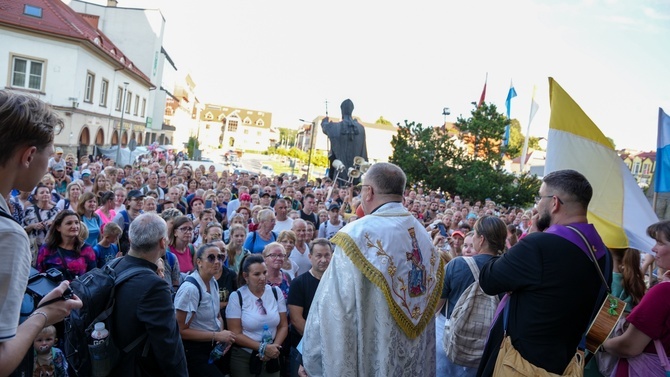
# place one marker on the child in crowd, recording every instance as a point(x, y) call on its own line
point(48, 360)
point(107, 248)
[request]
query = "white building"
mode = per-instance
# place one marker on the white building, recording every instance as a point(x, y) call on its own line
point(51, 52)
point(139, 33)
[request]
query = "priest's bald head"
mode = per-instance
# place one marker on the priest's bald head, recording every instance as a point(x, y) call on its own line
point(382, 183)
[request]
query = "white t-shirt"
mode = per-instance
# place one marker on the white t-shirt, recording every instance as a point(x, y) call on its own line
point(293, 271)
point(14, 272)
point(207, 312)
point(327, 230)
point(250, 314)
point(283, 225)
point(302, 260)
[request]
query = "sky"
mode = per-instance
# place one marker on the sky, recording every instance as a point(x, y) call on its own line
point(409, 60)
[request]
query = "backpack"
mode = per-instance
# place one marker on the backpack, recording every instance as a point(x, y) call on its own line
point(96, 290)
point(470, 322)
point(191, 279)
point(239, 296)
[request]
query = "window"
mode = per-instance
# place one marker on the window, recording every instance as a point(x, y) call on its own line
point(32, 10)
point(232, 126)
point(636, 167)
point(88, 92)
point(260, 123)
point(129, 97)
point(646, 168)
point(119, 98)
point(104, 88)
point(246, 132)
point(27, 73)
point(144, 107)
point(136, 109)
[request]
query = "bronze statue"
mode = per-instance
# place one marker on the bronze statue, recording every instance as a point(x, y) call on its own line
point(347, 140)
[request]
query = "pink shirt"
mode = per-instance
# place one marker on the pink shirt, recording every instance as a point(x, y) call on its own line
point(185, 259)
point(104, 218)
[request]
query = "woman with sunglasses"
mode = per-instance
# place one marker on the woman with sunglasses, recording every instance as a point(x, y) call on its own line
point(197, 312)
point(252, 308)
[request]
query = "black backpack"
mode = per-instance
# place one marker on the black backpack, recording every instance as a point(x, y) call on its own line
point(96, 290)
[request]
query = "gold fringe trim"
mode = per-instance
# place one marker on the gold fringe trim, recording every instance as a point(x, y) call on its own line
point(352, 251)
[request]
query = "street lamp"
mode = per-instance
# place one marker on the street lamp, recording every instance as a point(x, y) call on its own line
point(123, 109)
point(446, 112)
point(311, 145)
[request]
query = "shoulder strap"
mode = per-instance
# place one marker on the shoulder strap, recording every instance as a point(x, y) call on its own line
point(239, 296)
point(126, 220)
point(593, 256)
point(37, 212)
point(7, 216)
point(275, 293)
point(192, 280)
point(473, 268)
point(191, 249)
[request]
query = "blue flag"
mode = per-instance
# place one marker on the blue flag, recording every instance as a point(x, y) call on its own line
point(508, 104)
point(663, 153)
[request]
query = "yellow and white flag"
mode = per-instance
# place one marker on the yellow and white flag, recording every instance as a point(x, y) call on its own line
point(619, 210)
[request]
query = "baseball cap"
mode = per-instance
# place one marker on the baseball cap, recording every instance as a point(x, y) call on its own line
point(58, 150)
point(58, 167)
point(333, 206)
point(86, 172)
point(135, 194)
point(245, 197)
point(265, 194)
point(458, 233)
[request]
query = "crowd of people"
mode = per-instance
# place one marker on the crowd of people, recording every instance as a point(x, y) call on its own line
point(234, 262)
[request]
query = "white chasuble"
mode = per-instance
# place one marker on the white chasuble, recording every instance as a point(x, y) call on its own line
point(373, 313)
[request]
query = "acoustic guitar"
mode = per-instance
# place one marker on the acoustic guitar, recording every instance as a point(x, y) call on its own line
point(602, 326)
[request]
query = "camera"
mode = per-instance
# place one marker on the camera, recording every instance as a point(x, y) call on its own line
point(39, 285)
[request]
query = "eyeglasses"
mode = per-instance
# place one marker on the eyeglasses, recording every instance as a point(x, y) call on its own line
point(276, 256)
point(211, 258)
point(186, 230)
point(539, 197)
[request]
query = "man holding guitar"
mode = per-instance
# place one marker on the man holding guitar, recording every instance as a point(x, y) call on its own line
point(555, 286)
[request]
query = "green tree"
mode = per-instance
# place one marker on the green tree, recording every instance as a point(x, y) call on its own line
point(287, 136)
point(192, 145)
point(484, 131)
point(516, 140)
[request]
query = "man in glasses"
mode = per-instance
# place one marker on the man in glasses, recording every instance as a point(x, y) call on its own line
point(553, 280)
point(383, 283)
point(134, 204)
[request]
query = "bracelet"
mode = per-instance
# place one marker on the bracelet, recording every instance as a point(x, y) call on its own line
point(46, 318)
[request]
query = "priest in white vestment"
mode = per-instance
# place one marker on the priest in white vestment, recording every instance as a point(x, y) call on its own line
point(372, 314)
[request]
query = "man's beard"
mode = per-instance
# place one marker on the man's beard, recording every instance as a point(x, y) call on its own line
point(543, 222)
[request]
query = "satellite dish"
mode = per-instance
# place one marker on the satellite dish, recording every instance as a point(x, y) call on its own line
point(132, 145)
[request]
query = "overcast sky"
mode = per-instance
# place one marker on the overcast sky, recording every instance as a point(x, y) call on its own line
point(408, 60)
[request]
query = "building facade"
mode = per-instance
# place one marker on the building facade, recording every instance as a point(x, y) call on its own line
point(234, 128)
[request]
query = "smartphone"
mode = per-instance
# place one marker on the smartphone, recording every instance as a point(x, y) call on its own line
point(208, 204)
point(443, 230)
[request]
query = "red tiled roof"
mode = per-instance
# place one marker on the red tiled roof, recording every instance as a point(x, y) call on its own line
point(59, 19)
point(645, 155)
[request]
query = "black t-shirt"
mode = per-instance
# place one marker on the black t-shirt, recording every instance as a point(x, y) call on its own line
point(227, 284)
point(313, 218)
point(301, 294)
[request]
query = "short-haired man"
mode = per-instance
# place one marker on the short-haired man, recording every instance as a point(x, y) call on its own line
point(553, 282)
point(329, 228)
point(283, 222)
point(301, 294)
point(300, 253)
point(27, 127)
point(144, 305)
point(307, 212)
point(381, 289)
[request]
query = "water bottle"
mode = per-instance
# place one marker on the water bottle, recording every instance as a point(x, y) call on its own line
point(217, 352)
point(99, 333)
point(267, 335)
point(100, 351)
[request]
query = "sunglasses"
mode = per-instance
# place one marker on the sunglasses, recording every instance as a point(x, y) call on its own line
point(211, 258)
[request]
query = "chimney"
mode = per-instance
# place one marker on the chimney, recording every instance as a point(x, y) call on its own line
point(91, 19)
point(112, 3)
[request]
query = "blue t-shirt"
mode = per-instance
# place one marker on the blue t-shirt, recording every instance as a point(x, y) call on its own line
point(105, 254)
point(255, 244)
point(93, 224)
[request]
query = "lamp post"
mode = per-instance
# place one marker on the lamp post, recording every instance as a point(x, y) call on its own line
point(311, 145)
point(123, 109)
